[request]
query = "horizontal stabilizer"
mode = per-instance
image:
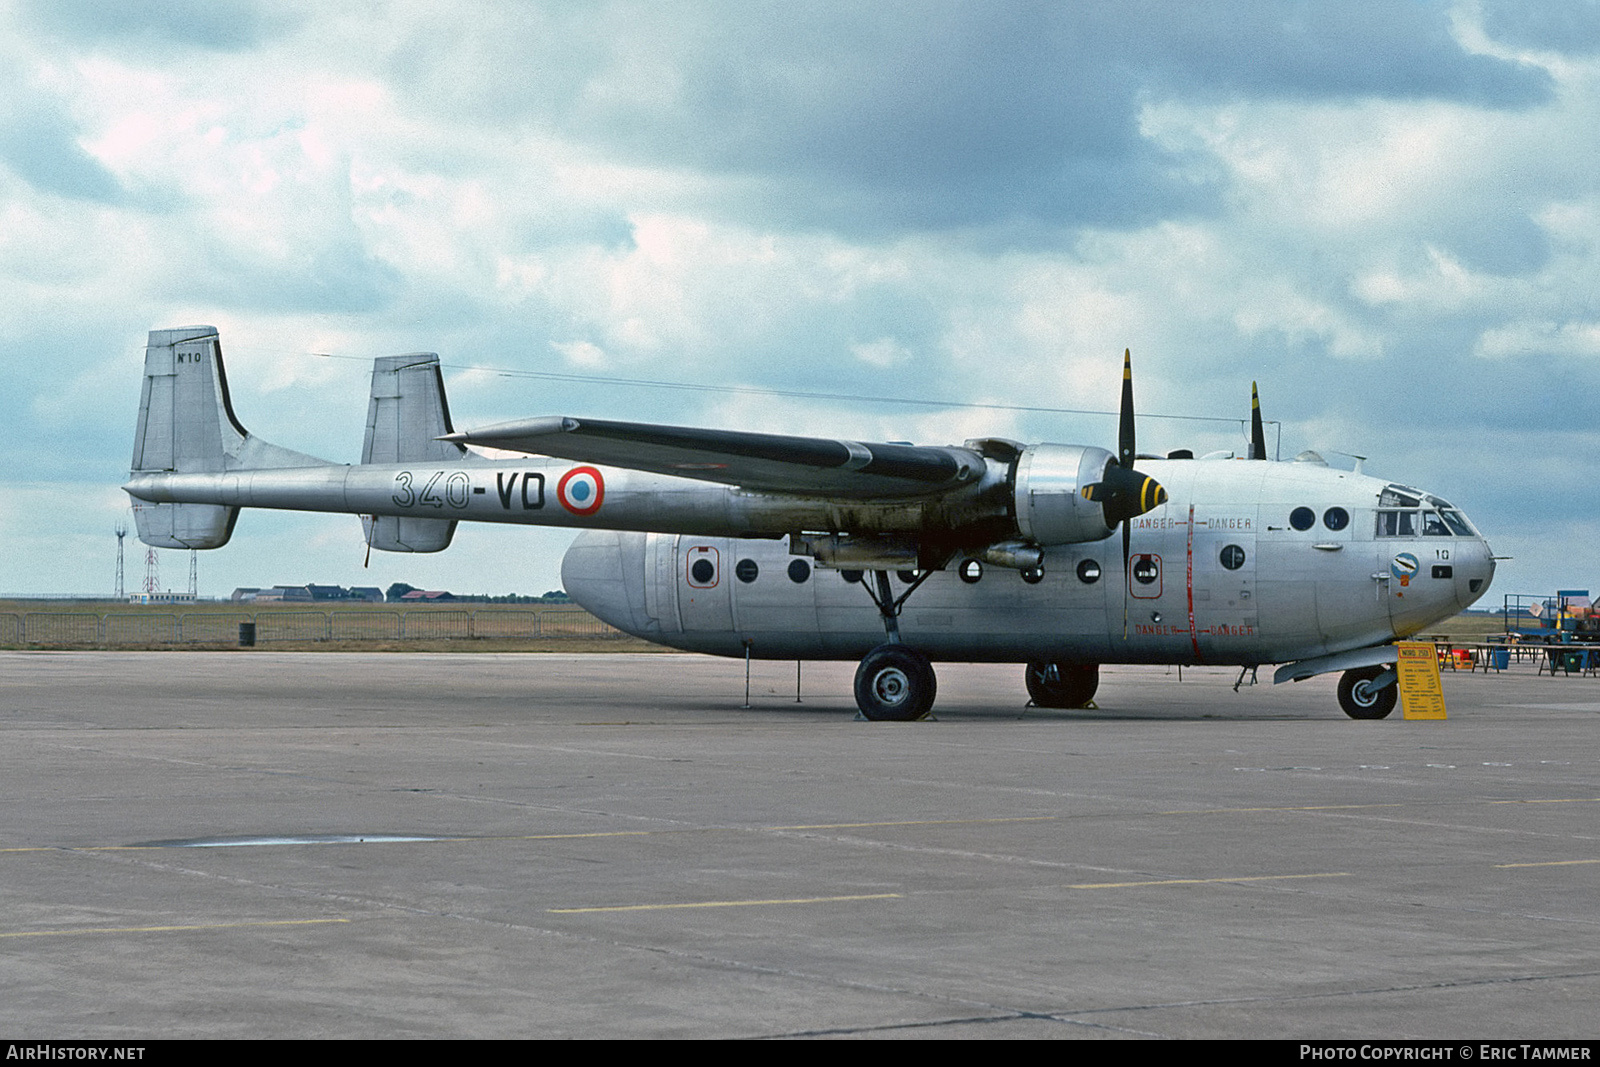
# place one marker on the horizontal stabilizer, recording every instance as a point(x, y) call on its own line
point(809, 466)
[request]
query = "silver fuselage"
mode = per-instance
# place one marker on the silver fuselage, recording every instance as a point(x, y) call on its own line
point(1218, 574)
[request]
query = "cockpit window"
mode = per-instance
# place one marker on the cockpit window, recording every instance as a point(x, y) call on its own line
point(1399, 496)
point(1397, 524)
point(1425, 523)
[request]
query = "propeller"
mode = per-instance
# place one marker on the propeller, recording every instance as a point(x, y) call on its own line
point(1258, 436)
point(1122, 492)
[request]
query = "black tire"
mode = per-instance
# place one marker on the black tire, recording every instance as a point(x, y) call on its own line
point(1360, 700)
point(895, 684)
point(1063, 685)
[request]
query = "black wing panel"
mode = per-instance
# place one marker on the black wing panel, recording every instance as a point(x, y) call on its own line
point(810, 466)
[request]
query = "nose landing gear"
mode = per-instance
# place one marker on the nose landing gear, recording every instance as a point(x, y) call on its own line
point(1363, 696)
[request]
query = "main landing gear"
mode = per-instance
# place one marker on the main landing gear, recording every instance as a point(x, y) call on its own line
point(1363, 696)
point(1063, 685)
point(894, 683)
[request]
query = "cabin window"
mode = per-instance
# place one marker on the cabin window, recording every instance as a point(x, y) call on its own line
point(1336, 518)
point(702, 568)
point(971, 570)
point(799, 571)
point(1433, 525)
point(746, 570)
point(1088, 572)
point(1302, 518)
point(1232, 557)
point(1033, 575)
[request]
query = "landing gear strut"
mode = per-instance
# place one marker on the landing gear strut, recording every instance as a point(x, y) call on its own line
point(1361, 698)
point(894, 683)
point(1063, 685)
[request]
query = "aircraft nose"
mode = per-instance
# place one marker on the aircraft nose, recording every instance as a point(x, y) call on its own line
point(603, 572)
point(1474, 571)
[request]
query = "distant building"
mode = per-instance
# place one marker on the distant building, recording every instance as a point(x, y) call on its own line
point(428, 596)
point(162, 598)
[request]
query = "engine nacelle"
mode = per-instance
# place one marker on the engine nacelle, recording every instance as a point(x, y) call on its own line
point(1051, 509)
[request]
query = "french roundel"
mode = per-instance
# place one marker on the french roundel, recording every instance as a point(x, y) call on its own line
point(581, 490)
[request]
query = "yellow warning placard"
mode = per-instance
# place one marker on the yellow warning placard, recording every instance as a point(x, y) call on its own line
point(1421, 695)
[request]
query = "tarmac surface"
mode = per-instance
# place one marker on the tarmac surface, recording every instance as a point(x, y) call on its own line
point(258, 844)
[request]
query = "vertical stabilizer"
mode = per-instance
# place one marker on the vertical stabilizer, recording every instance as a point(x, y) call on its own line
point(407, 415)
point(187, 426)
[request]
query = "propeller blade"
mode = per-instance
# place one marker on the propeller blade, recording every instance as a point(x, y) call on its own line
point(1127, 572)
point(1125, 450)
point(1258, 436)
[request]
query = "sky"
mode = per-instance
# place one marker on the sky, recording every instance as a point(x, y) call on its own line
point(1388, 214)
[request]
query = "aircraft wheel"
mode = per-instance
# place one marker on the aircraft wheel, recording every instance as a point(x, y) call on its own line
point(1360, 700)
point(895, 684)
point(1063, 685)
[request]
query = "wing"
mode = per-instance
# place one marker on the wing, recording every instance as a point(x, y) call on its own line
point(807, 466)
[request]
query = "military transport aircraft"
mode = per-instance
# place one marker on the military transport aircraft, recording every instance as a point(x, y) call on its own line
point(769, 546)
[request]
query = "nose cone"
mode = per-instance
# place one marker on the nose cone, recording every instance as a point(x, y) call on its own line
point(603, 572)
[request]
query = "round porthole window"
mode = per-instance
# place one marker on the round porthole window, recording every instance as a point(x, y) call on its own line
point(799, 571)
point(1088, 572)
point(702, 571)
point(1336, 518)
point(971, 570)
point(1302, 518)
point(1033, 575)
point(1232, 557)
point(746, 570)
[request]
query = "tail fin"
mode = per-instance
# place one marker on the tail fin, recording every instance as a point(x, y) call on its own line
point(407, 415)
point(187, 425)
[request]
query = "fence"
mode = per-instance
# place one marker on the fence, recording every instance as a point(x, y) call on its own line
point(76, 628)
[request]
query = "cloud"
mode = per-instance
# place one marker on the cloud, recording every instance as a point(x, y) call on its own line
point(945, 202)
point(893, 117)
point(223, 25)
point(1569, 26)
point(43, 149)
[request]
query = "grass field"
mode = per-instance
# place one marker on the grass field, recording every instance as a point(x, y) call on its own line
point(332, 626)
point(316, 626)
